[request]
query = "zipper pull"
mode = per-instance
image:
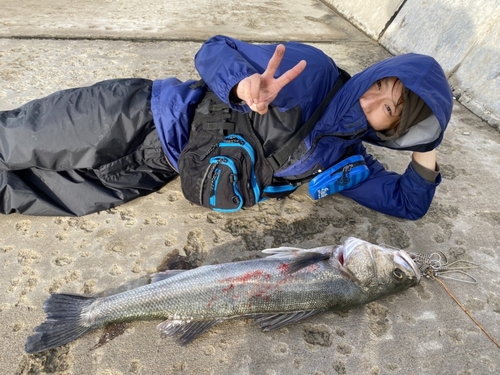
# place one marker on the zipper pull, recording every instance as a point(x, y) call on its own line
point(209, 151)
point(212, 182)
point(344, 179)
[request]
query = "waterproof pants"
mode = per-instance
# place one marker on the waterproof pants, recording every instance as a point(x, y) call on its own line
point(81, 150)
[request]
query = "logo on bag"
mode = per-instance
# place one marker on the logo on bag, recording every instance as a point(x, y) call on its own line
point(323, 192)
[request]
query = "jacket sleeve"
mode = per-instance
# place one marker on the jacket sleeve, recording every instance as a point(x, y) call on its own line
point(222, 65)
point(407, 196)
point(223, 62)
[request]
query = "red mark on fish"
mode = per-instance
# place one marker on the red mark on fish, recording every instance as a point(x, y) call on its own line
point(228, 288)
point(313, 268)
point(246, 277)
point(212, 300)
point(264, 292)
point(283, 268)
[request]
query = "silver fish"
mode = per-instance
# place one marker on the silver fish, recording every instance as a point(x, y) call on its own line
point(284, 287)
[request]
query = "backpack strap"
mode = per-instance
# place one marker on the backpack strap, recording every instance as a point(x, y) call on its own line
point(197, 84)
point(280, 156)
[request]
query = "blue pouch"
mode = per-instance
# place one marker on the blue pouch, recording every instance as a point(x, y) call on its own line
point(346, 174)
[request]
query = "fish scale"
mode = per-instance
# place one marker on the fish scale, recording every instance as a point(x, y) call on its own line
point(236, 290)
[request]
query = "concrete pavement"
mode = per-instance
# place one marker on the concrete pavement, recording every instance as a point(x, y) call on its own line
point(48, 46)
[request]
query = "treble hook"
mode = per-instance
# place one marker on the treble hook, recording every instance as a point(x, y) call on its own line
point(437, 264)
point(450, 268)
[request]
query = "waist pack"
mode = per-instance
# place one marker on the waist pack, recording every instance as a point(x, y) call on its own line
point(343, 175)
point(223, 166)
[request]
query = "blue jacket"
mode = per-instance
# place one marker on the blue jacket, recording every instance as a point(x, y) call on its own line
point(223, 62)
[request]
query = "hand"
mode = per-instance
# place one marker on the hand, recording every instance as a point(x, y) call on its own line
point(259, 90)
point(426, 159)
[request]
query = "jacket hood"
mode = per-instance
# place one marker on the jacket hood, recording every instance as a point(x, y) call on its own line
point(419, 73)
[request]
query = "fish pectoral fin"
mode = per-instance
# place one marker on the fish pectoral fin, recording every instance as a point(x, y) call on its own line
point(306, 259)
point(159, 276)
point(275, 321)
point(300, 258)
point(185, 331)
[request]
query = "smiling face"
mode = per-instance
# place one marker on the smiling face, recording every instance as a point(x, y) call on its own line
point(382, 103)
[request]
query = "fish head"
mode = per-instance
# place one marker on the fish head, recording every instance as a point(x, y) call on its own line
point(378, 270)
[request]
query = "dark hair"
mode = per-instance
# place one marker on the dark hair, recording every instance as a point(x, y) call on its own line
point(401, 101)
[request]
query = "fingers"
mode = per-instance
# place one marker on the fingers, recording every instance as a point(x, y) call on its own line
point(274, 64)
point(256, 83)
point(249, 89)
point(258, 91)
point(260, 108)
point(291, 74)
point(275, 61)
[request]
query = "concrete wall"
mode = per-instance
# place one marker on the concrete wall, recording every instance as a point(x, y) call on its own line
point(463, 35)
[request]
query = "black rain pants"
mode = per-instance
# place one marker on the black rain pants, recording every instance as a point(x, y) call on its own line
point(81, 150)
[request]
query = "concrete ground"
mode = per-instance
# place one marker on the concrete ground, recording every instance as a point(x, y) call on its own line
point(48, 45)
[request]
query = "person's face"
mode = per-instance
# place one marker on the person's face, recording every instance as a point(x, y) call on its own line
point(382, 103)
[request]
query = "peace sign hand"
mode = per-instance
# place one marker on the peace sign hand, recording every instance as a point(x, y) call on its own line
point(259, 90)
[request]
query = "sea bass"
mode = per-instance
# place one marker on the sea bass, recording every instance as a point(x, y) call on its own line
point(288, 285)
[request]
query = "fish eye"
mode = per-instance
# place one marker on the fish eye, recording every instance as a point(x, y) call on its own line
point(398, 274)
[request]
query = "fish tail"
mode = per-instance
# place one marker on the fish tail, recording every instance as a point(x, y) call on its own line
point(64, 322)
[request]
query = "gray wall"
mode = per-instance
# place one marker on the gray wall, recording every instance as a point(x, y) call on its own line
point(463, 35)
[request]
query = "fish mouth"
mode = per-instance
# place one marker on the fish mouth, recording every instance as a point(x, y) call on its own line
point(404, 259)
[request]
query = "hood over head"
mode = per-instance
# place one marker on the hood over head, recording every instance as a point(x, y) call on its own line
point(414, 111)
point(428, 102)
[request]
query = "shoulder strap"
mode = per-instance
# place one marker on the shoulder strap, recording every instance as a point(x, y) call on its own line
point(197, 84)
point(280, 156)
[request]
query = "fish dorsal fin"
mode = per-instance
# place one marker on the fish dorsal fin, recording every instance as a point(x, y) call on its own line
point(185, 331)
point(277, 252)
point(293, 252)
point(275, 321)
point(300, 258)
point(159, 276)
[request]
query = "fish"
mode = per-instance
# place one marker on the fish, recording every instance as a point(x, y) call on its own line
point(285, 286)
